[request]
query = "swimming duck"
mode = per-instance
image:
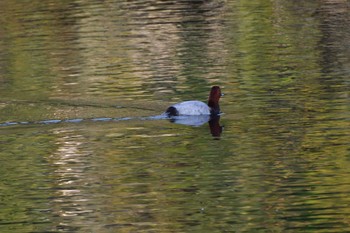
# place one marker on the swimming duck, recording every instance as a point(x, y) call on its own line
point(195, 107)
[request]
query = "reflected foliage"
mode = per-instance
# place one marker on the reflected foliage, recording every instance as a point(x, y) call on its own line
point(281, 164)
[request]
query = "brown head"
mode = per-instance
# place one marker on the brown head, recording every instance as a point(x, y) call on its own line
point(214, 98)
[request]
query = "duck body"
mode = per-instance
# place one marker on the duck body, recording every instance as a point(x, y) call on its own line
point(195, 107)
point(189, 108)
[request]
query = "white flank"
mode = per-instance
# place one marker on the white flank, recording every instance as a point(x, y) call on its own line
point(191, 108)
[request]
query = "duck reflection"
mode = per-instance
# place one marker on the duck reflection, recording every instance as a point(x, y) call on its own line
point(215, 127)
point(214, 122)
point(197, 120)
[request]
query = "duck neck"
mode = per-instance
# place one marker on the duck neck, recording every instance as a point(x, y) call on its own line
point(215, 108)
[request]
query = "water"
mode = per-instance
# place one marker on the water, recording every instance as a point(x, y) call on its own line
point(82, 148)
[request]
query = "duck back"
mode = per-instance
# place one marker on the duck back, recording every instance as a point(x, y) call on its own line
point(190, 108)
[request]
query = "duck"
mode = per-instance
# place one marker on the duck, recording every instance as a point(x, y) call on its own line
point(195, 107)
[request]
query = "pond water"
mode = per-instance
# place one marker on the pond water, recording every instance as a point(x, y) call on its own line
point(82, 84)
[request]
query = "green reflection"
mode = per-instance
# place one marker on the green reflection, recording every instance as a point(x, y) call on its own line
point(281, 164)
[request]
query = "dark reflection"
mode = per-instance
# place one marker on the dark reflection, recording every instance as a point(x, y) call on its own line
point(213, 121)
point(215, 127)
point(334, 43)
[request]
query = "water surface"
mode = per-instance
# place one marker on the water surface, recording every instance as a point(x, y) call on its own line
point(81, 150)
